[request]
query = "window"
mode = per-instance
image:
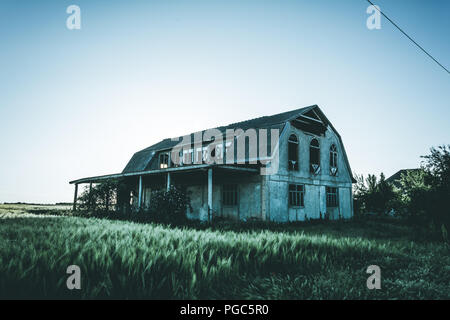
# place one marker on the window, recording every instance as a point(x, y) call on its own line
point(181, 158)
point(188, 156)
point(296, 195)
point(164, 160)
point(333, 160)
point(293, 152)
point(207, 154)
point(314, 156)
point(199, 156)
point(332, 197)
point(230, 195)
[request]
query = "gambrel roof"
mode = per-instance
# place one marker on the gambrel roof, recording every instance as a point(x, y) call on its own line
point(310, 119)
point(141, 159)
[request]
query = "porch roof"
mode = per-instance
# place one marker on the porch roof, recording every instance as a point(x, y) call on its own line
point(97, 179)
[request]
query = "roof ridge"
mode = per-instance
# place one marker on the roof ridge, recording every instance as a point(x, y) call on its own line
point(278, 121)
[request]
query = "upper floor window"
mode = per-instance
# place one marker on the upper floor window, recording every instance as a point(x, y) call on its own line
point(296, 195)
point(314, 156)
point(333, 160)
point(188, 156)
point(293, 152)
point(230, 195)
point(199, 156)
point(164, 160)
point(332, 197)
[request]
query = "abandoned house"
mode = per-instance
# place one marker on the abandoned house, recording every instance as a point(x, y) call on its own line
point(311, 180)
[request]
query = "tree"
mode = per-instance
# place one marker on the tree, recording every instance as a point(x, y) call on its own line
point(437, 168)
point(423, 195)
point(359, 193)
point(414, 193)
point(373, 195)
point(102, 196)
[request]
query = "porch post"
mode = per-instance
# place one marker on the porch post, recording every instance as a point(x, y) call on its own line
point(210, 190)
point(168, 181)
point(140, 192)
point(264, 197)
point(90, 196)
point(75, 197)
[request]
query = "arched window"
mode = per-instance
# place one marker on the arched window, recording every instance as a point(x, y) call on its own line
point(293, 152)
point(333, 160)
point(314, 156)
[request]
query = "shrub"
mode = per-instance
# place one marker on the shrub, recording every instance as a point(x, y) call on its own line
point(102, 197)
point(169, 206)
point(437, 168)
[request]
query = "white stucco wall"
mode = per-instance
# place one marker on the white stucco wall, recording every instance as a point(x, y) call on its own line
point(315, 185)
point(267, 197)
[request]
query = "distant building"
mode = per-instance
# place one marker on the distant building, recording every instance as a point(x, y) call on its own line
point(311, 179)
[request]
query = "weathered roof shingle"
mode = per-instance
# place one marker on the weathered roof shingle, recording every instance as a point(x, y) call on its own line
point(141, 159)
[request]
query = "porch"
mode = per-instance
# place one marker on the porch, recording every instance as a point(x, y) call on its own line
point(203, 183)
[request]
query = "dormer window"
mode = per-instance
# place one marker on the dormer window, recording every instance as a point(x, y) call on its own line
point(164, 160)
point(293, 153)
point(333, 160)
point(314, 156)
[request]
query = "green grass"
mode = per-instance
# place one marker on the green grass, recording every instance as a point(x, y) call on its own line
point(121, 259)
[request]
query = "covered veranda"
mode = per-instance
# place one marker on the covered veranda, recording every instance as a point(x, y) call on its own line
point(183, 175)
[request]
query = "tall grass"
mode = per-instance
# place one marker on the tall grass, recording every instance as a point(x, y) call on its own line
point(120, 259)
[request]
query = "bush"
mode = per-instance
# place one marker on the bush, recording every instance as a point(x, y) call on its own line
point(102, 197)
point(373, 195)
point(414, 194)
point(169, 206)
point(422, 195)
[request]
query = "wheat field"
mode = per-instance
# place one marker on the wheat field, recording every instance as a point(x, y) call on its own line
point(122, 259)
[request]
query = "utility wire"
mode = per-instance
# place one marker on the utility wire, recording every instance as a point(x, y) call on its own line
point(395, 25)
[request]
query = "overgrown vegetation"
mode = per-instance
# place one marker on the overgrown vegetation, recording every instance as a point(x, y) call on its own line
point(168, 205)
point(102, 197)
point(120, 259)
point(103, 200)
point(422, 196)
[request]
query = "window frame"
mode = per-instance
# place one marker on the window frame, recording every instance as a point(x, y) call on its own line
point(297, 196)
point(317, 152)
point(332, 197)
point(333, 160)
point(166, 163)
point(230, 195)
point(294, 144)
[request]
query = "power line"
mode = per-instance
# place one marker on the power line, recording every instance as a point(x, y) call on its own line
point(395, 25)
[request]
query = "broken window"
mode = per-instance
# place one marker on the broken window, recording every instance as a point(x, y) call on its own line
point(332, 197)
point(293, 152)
point(209, 152)
point(219, 148)
point(310, 122)
point(164, 160)
point(314, 156)
point(180, 155)
point(229, 152)
point(333, 160)
point(188, 156)
point(296, 195)
point(199, 156)
point(230, 195)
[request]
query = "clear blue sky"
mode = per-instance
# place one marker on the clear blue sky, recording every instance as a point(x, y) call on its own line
point(77, 103)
